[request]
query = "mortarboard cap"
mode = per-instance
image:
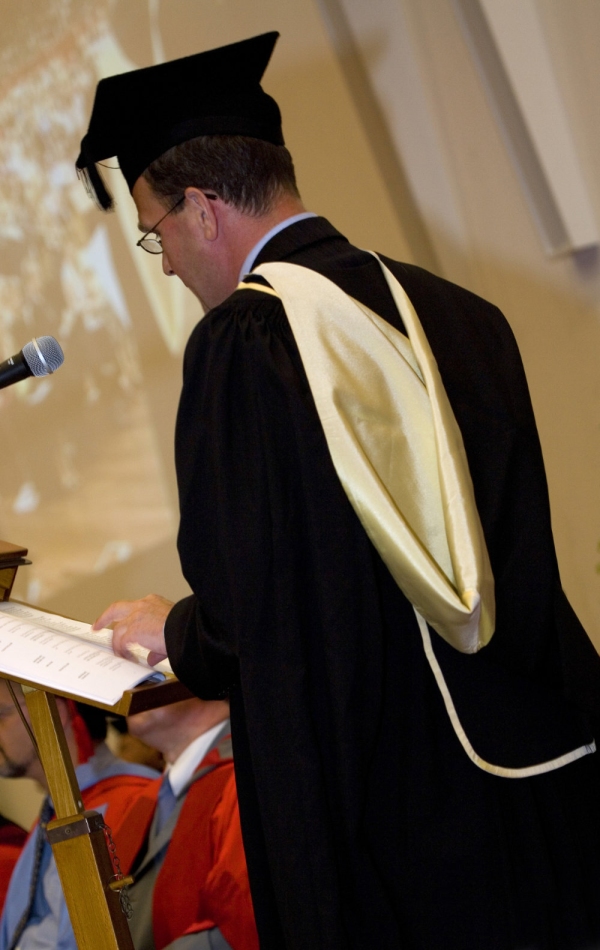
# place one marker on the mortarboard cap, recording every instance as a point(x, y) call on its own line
point(139, 115)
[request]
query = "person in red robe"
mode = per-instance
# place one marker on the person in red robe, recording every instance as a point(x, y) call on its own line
point(35, 913)
point(197, 897)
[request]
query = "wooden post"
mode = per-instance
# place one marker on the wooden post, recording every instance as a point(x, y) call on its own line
point(77, 838)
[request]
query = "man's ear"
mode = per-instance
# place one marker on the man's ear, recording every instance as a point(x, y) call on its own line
point(205, 211)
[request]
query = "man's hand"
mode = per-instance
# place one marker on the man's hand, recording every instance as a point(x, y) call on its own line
point(138, 621)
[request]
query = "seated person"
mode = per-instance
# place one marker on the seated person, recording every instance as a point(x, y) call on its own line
point(12, 839)
point(35, 914)
point(191, 887)
point(132, 749)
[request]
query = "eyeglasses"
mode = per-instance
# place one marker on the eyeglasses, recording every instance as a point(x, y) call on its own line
point(154, 244)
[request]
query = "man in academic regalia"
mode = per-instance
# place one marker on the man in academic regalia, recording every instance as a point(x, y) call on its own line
point(366, 531)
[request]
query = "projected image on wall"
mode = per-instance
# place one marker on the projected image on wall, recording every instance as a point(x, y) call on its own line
point(82, 478)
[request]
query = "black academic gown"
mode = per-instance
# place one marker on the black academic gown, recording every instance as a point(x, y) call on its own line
point(365, 824)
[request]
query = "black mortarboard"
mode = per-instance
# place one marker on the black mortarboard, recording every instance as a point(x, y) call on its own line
point(139, 115)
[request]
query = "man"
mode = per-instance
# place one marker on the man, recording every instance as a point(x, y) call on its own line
point(35, 914)
point(184, 897)
point(354, 530)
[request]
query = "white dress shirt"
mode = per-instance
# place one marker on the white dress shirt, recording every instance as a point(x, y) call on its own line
point(181, 770)
point(249, 262)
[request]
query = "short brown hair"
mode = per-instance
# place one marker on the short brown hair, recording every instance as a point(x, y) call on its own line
point(244, 172)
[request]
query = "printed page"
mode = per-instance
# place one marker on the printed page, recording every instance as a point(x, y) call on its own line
point(60, 660)
point(77, 628)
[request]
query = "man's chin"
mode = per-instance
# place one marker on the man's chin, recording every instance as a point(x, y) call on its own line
point(217, 297)
point(12, 770)
point(201, 301)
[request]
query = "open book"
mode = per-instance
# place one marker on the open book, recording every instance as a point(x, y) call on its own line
point(67, 655)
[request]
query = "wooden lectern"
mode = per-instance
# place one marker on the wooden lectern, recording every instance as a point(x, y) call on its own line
point(88, 871)
point(11, 558)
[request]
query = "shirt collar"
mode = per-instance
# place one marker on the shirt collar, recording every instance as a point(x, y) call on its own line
point(184, 767)
point(103, 764)
point(249, 262)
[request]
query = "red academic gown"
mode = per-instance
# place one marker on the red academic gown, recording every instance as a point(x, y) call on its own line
point(203, 881)
point(12, 839)
point(113, 796)
point(118, 793)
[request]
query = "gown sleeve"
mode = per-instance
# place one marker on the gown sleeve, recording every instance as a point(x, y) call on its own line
point(244, 390)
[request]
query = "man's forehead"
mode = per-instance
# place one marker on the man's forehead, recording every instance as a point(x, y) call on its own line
point(5, 692)
point(6, 702)
point(149, 207)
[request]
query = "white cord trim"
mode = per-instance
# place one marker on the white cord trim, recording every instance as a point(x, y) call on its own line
point(500, 770)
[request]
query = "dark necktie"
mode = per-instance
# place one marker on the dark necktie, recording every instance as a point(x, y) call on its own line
point(165, 804)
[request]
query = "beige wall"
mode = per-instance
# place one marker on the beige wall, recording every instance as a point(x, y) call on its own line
point(470, 197)
point(551, 302)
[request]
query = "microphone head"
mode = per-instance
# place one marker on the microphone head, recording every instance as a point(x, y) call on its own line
point(43, 355)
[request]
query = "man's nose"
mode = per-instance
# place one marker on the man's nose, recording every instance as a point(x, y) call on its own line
point(167, 269)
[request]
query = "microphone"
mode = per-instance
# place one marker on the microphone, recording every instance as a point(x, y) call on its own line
point(37, 358)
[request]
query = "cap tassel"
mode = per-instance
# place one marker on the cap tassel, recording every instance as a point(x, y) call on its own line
point(95, 187)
